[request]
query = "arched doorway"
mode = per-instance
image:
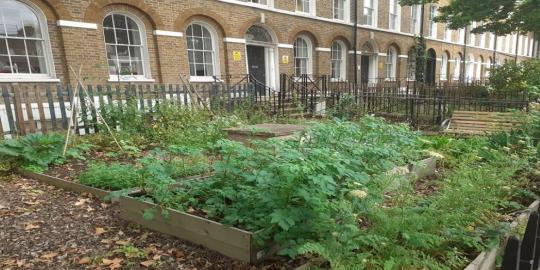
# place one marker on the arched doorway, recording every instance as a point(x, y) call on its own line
point(431, 65)
point(368, 64)
point(261, 56)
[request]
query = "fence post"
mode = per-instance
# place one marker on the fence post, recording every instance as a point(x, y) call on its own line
point(511, 254)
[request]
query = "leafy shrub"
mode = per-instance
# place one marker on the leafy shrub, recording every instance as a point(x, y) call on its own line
point(34, 151)
point(113, 176)
point(295, 191)
point(517, 77)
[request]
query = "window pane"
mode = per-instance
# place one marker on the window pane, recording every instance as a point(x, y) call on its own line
point(34, 48)
point(31, 24)
point(107, 22)
point(199, 57)
point(13, 22)
point(112, 67)
point(134, 37)
point(119, 21)
point(121, 36)
point(209, 70)
point(198, 43)
point(16, 47)
point(208, 57)
point(197, 30)
point(20, 64)
point(131, 24)
point(199, 70)
point(3, 48)
point(109, 36)
point(111, 52)
point(135, 53)
point(207, 44)
point(123, 52)
point(37, 64)
point(191, 56)
point(125, 68)
point(5, 66)
point(2, 30)
point(137, 68)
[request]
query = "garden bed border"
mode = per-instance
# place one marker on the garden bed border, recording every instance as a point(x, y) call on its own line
point(230, 241)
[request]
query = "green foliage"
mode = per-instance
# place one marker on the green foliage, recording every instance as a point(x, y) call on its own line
point(169, 124)
point(501, 17)
point(515, 77)
point(113, 176)
point(149, 172)
point(34, 151)
point(296, 191)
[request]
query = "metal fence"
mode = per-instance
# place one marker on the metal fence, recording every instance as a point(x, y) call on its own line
point(32, 108)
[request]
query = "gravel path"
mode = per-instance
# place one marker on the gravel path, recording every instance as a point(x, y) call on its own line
point(42, 227)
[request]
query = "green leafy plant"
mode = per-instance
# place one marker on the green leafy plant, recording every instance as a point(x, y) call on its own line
point(113, 176)
point(34, 151)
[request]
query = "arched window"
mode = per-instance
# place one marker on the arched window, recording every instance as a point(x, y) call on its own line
point(257, 34)
point(303, 56)
point(411, 66)
point(470, 68)
point(125, 42)
point(24, 44)
point(457, 67)
point(444, 66)
point(201, 51)
point(391, 63)
point(338, 52)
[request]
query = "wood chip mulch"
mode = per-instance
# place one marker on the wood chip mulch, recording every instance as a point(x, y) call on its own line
point(42, 227)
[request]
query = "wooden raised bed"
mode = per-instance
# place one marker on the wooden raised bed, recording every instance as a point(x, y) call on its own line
point(262, 132)
point(66, 185)
point(487, 260)
point(229, 241)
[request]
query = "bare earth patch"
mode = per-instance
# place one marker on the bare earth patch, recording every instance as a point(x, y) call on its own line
point(42, 227)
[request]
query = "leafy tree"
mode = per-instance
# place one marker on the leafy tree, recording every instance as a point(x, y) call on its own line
point(497, 16)
point(517, 77)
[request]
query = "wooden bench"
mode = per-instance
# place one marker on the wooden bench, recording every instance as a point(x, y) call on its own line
point(482, 123)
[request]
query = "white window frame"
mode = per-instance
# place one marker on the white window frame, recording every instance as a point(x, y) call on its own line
point(411, 66)
point(346, 16)
point(416, 17)
point(147, 76)
point(215, 53)
point(309, 44)
point(491, 44)
point(483, 40)
point(444, 67)
point(311, 6)
point(472, 37)
point(47, 53)
point(342, 61)
point(461, 36)
point(432, 24)
point(374, 10)
point(447, 33)
point(269, 3)
point(394, 6)
point(457, 68)
point(391, 64)
point(469, 70)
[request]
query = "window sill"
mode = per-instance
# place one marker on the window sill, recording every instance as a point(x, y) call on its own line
point(127, 80)
point(27, 80)
point(203, 79)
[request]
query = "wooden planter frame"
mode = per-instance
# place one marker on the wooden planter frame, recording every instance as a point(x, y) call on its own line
point(64, 184)
point(232, 242)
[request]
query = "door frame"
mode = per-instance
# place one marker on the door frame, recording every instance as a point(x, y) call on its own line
point(271, 66)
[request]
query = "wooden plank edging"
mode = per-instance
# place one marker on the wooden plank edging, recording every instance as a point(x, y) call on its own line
point(232, 242)
point(64, 184)
point(487, 260)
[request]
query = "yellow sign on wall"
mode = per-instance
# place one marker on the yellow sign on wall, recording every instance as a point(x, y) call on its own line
point(237, 56)
point(285, 59)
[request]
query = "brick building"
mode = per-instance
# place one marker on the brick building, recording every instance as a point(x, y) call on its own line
point(157, 41)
